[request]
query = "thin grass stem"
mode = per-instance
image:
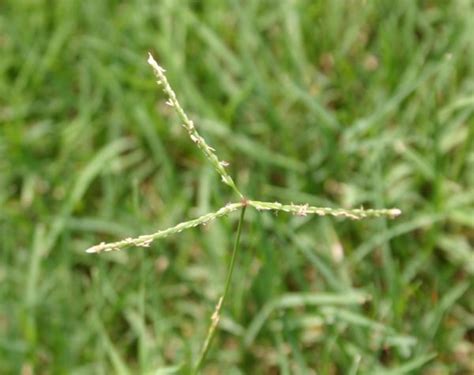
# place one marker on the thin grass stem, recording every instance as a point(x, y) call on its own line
point(216, 315)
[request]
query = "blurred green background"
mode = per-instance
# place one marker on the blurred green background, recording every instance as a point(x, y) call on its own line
point(332, 103)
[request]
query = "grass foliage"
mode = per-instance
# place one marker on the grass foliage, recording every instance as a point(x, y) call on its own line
point(330, 103)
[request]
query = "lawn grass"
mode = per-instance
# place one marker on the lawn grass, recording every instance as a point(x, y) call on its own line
point(330, 103)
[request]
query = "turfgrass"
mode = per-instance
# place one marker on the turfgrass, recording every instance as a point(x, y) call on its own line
point(333, 103)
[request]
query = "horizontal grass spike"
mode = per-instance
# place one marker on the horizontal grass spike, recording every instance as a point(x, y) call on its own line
point(147, 239)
